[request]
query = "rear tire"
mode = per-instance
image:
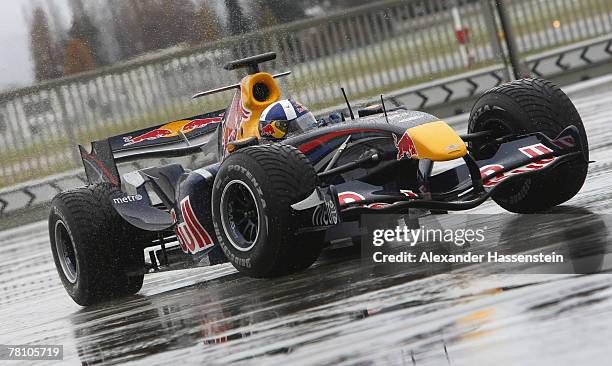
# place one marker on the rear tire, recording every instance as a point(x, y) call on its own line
point(251, 201)
point(97, 254)
point(527, 106)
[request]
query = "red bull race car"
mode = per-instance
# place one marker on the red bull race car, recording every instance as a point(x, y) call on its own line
point(278, 184)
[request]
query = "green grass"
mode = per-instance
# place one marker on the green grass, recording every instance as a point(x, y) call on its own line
point(25, 175)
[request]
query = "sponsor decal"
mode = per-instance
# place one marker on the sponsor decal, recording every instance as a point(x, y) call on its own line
point(348, 197)
point(99, 167)
point(198, 123)
point(245, 114)
point(565, 142)
point(378, 205)
point(452, 147)
point(237, 115)
point(536, 150)
point(307, 147)
point(488, 170)
point(233, 120)
point(411, 118)
point(405, 146)
point(172, 129)
point(531, 151)
point(148, 136)
point(267, 130)
point(408, 193)
point(127, 199)
point(298, 107)
point(325, 214)
point(191, 234)
point(382, 204)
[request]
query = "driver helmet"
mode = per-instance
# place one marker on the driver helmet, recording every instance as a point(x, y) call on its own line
point(285, 117)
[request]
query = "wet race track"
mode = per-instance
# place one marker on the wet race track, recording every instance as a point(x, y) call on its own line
point(340, 311)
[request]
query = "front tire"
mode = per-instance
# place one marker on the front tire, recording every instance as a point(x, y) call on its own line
point(522, 107)
point(251, 200)
point(97, 254)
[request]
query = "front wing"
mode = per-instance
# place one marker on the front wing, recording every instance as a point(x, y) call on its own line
point(470, 184)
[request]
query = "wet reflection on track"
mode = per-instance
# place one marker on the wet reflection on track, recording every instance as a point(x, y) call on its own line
point(342, 311)
point(324, 313)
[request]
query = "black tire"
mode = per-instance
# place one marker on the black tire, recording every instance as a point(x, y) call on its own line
point(264, 181)
point(527, 106)
point(105, 253)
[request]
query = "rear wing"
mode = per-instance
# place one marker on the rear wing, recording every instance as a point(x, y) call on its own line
point(173, 139)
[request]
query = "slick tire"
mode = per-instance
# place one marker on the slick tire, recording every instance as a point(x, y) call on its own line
point(97, 254)
point(527, 106)
point(251, 200)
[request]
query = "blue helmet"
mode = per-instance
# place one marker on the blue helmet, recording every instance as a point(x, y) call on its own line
point(285, 117)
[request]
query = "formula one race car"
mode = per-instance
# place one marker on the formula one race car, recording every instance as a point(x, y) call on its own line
point(280, 183)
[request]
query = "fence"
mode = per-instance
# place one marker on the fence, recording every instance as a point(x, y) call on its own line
point(369, 50)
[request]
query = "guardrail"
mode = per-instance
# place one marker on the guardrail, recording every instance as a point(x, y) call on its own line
point(37, 193)
point(454, 91)
point(379, 48)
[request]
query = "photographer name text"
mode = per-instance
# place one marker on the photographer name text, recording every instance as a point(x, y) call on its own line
point(469, 257)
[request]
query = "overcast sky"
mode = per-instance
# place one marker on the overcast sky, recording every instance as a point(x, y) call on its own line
point(15, 61)
point(16, 66)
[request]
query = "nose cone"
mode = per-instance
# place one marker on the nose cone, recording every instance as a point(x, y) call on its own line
point(437, 141)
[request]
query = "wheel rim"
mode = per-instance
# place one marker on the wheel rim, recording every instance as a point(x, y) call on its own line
point(499, 128)
point(240, 215)
point(66, 252)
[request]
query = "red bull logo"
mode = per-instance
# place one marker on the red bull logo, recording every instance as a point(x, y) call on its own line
point(172, 129)
point(267, 130)
point(405, 146)
point(196, 124)
point(148, 136)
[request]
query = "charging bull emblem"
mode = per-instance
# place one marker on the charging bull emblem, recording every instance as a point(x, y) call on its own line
point(196, 124)
point(172, 129)
point(267, 130)
point(148, 136)
point(405, 146)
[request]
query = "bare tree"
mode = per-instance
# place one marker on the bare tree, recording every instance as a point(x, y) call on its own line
point(147, 25)
point(238, 23)
point(42, 46)
point(127, 20)
point(285, 10)
point(207, 27)
point(83, 30)
point(78, 58)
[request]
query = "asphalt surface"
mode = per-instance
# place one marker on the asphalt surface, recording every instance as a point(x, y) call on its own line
point(343, 311)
